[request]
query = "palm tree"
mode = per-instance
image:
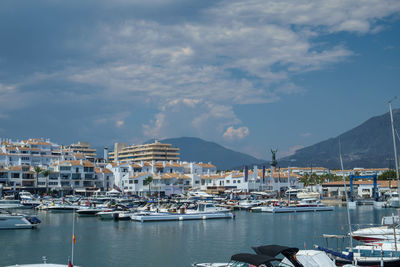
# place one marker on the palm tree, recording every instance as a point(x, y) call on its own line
point(46, 174)
point(37, 170)
point(148, 181)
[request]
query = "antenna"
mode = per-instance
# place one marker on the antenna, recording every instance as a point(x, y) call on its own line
point(345, 193)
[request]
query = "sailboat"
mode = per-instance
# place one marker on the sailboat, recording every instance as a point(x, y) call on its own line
point(372, 254)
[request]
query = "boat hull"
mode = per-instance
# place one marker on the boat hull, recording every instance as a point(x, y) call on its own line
point(15, 222)
point(371, 262)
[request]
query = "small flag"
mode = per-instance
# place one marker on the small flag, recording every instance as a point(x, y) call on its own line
point(70, 264)
point(73, 238)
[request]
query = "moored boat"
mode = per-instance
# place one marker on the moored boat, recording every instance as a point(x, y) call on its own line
point(10, 204)
point(10, 220)
point(271, 253)
point(90, 211)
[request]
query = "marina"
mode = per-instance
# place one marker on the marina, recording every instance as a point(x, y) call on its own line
point(110, 242)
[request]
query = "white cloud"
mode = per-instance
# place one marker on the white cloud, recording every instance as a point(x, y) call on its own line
point(291, 151)
point(119, 123)
point(193, 71)
point(239, 133)
point(305, 135)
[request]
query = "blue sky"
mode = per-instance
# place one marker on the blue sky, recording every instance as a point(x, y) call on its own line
point(249, 75)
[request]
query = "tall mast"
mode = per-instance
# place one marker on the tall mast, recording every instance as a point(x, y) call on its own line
point(73, 237)
point(394, 147)
point(347, 201)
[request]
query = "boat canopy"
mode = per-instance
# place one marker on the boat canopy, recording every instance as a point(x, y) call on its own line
point(253, 259)
point(274, 250)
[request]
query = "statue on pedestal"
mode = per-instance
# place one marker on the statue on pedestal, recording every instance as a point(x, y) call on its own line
point(273, 162)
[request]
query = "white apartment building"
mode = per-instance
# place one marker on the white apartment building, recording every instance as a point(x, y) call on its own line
point(169, 177)
point(39, 152)
point(255, 182)
point(78, 175)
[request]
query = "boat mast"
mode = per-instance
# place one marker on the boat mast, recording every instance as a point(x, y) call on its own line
point(347, 201)
point(394, 147)
point(73, 238)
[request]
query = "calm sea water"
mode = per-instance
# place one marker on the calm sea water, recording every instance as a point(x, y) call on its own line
point(127, 243)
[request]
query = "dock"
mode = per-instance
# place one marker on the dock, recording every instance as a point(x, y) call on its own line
point(290, 209)
point(180, 217)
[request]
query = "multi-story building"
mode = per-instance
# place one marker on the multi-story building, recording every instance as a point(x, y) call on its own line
point(84, 149)
point(169, 177)
point(34, 152)
point(148, 152)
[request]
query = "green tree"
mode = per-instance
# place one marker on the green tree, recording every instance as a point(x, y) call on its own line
point(390, 174)
point(37, 170)
point(148, 181)
point(305, 179)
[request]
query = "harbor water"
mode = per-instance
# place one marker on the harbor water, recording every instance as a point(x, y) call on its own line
point(127, 243)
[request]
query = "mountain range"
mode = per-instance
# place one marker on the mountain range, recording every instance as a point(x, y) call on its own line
point(368, 145)
point(199, 150)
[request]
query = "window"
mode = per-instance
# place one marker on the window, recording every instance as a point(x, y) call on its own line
point(130, 181)
point(227, 181)
point(234, 181)
point(136, 181)
point(14, 175)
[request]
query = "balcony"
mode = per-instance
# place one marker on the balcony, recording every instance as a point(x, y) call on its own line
point(76, 176)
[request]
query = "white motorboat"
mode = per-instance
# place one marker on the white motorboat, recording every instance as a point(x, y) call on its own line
point(44, 264)
point(207, 208)
point(10, 220)
point(376, 234)
point(307, 194)
point(292, 192)
point(111, 214)
point(41, 265)
point(30, 203)
point(199, 195)
point(90, 211)
point(124, 216)
point(393, 200)
point(248, 203)
point(385, 233)
point(10, 204)
point(267, 255)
